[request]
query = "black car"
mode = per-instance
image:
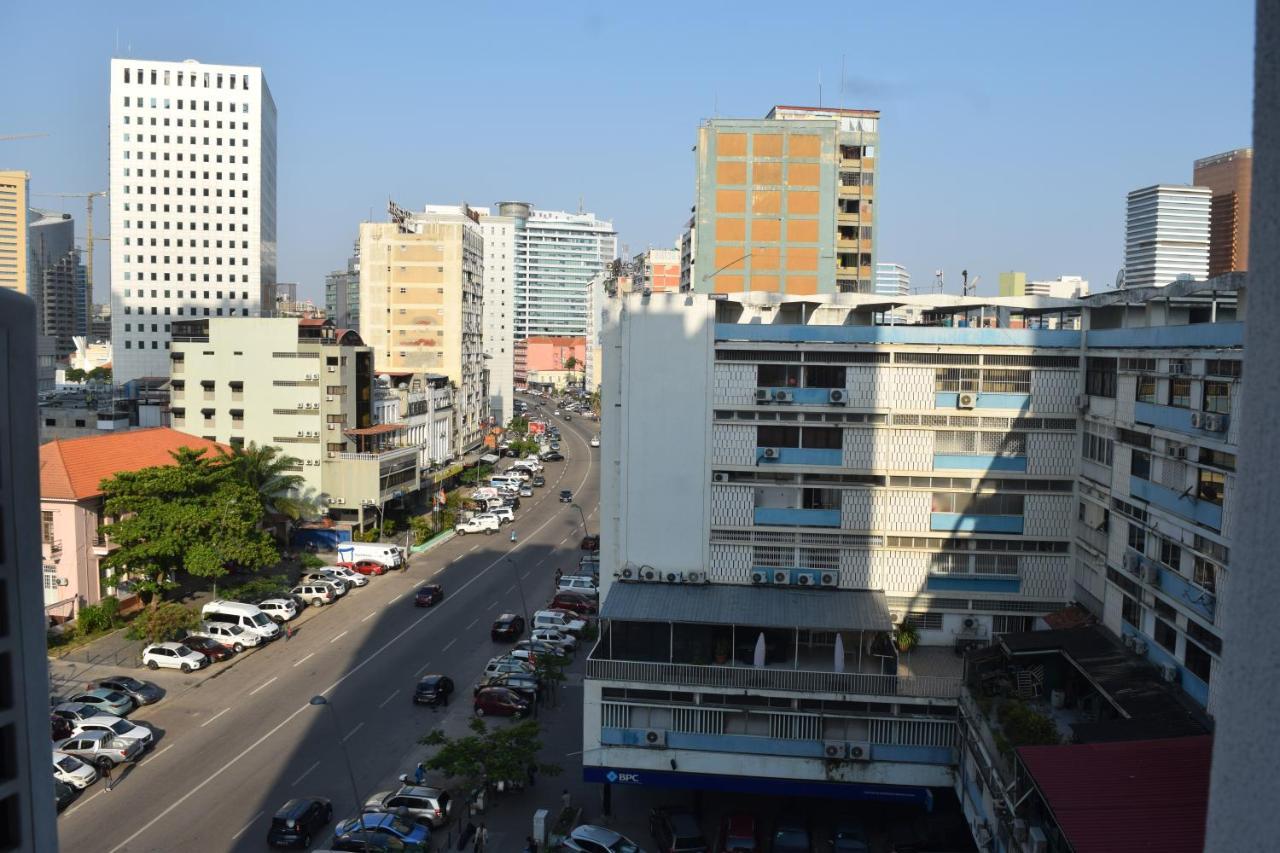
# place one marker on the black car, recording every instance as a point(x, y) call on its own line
point(566, 496)
point(507, 627)
point(513, 502)
point(370, 842)
point(677, 830)
point(528, 687)
point(553, 456)
point(539, 480)
point(63, 794)
point(428, 595)
point(141, 692)
point(298, 821)
point(433, 690)
point(60, 727)
point(791, 836)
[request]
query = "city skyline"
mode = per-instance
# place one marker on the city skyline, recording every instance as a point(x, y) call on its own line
point(1028, 98)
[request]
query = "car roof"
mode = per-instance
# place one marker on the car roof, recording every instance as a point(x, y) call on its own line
point(506, 617)
point(430, 678)
point(295, 806)
point(598, 834)
point(168, 644)
point(419, 791)
point(95, 734)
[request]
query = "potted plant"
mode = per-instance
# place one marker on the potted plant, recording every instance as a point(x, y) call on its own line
point(722, 650)
point(905, 637)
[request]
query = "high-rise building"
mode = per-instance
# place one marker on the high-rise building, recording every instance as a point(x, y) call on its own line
point(26, 805)
point(1229, 177)
point(57, 278)
point(499, 303)
point(657, 270)
point(1166, 234)
point(342, 293)
point(193, 201)
point(785, 204)
point(1013, 284)
point(421, 292)
point(892, 280)
point(556, 256)
point(13, 231)
point(1062, 287)
point(688, 267)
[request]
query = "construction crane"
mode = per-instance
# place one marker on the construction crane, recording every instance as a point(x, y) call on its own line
point(22, 136)
point(89, 240)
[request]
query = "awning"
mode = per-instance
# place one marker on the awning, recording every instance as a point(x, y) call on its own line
point(489, 459)
point(756, 606)
point(377, 429)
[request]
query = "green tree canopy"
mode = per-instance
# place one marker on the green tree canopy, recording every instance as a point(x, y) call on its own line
point(270, 475)
point(75, 374)
point(504, 753)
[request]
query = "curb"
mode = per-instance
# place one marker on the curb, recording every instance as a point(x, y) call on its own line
point(427, 546)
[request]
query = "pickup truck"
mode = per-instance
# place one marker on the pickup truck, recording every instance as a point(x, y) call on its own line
point(480, 524)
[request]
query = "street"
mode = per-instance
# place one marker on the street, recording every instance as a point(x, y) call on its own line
point(233, 748)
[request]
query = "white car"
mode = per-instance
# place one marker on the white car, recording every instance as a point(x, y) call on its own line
point(347, 576)
point(477, 524)
point(504, 664)
point(558, 620)
point(279, 609)
point(504, 514)
point(555, 638)
point(172, 656)
point(115, 727)
point(595, 441)
point(73, 771)
point(232, 636)
point(526, 491)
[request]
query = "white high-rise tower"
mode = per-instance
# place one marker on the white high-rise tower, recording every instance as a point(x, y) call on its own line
point(193, 201)
point(1166, 234)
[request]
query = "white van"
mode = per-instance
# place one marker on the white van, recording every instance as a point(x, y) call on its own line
point(509, 482)
point(391, 556)
point(247, 616)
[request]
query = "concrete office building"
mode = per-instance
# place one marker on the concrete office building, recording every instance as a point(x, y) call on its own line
point(785, 204)
point(193, 201)
point(688, 265)
point(57, 279)
point(342, 293)
point(499, 304)
point(13, 231)
point(421, 304)
point(422, 405)
point(1229, 177)
point(892, 280)
point(556, 256)
point(657, 270)
point(25, 801)
point(1166, 234)
point(1063, 287)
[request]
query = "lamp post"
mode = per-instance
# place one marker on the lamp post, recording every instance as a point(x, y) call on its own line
point(333, 715)
point(583, 516)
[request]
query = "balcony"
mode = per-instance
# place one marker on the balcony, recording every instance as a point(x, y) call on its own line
point(966, 523)
point(1182, 504)
point(799, 456)
point(794, 517)
point(951, 400)
point(1178, 419)
point(803, 396)
point(979, 462)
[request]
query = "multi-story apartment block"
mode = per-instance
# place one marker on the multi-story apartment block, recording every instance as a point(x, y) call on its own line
point(14, 190)
point(785, 204)
point(421, 298)
point(342, 293)
point(1062, 287)
point(892, 279)
point(499, 303)
point(1166, 234)
point(1229, 177)
point(811, 481)
point(193, 201)
point(657, 270)
point(688, 265)
point(422, 405)
point(57, 279)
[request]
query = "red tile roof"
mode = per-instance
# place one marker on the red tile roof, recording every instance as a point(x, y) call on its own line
point(72, 469)
point(1129, 795)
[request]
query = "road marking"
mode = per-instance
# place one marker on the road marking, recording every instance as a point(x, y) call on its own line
point(525, 576)
point(353, 731)
point(510, 590)
point(451, 642)
point(263, 684)
point(394, 600)
point(304, 660)
point(389, 698)
point(566, 538)
point(94, 796)
point(246, 827)
point(473, 623)
point(579, 752)
point(339, 637)
point(214, 717)
point(295, 783)
point(361, 665)
point(472, 548)
point(370, 616)
point(424, 669)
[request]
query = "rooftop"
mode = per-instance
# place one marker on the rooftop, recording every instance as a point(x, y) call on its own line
point(74, 469)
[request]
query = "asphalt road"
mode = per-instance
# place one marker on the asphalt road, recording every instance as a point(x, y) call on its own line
point(235, 748)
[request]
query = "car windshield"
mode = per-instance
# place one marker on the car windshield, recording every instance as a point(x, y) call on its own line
point(121, 727)
point(67, 763)
point(127, 683)
point(182, 651)
point(260, 619)
point(791, 838)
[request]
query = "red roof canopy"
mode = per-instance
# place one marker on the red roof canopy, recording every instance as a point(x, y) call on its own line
point(71, 469)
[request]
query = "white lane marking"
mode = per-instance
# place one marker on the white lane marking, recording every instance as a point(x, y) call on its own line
point(304, 660)
point(263, 684)
point(339, 637)
point(510, 590)
point(394, 600)
point(353, 731)
point(361, 665)
point(451, 642)
point(473, 623)
point(214, 717)
point(389, 698)
point(68, 812)
point(425, 666)
point(155, 756)
point(370, 616)
point(246, 827)
point(295, 782)
point(472, 548)
point(579, 752)
point(525, 576)
point(496, 604)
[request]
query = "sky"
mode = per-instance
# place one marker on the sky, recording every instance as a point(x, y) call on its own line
point(1010, 132)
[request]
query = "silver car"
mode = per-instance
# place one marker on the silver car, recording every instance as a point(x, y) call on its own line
point(116, 727)
point(424, 804)
point(597, 839)
point(100, 749)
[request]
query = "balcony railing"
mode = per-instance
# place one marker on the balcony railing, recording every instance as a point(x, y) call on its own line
point(764, 678)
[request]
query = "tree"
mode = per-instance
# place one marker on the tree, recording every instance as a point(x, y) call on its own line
point(75, 374)
point(487, 755)
point(269, 473)
point(166, 621)
point(519, 425)
point(191, 515)
point(99, 374)
point(550, 671)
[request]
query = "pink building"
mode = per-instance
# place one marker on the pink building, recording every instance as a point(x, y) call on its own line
point(71, 472)
point(545, 360)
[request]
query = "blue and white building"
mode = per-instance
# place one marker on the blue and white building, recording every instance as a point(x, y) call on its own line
point(556, 255)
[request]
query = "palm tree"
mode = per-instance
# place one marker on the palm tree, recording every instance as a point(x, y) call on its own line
point(270, 474)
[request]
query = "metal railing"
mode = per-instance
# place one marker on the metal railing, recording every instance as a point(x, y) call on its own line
point(764, 678)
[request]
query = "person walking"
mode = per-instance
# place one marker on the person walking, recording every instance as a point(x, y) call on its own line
point(420, 774)
point(105, 772)
point(288, 632)
point(482, 839)
point(565, 799)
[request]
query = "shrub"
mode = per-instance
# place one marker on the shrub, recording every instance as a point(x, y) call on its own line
point(102, 616)
point(311, 561)
point(168, 621)
point(1026, 727)
point(260, 588)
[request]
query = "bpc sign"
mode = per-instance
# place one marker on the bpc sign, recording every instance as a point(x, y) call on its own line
point(625, 777)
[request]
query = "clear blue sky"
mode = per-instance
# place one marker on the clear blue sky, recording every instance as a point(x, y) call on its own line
point(1010, 132)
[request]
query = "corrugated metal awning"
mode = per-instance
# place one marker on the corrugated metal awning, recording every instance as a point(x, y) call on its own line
point(756, 606)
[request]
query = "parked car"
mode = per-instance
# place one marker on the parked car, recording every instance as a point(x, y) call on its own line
point(550, 636)
point(849, 837)
point(566, 496)
point(279, 610)
point(595, 441)
point(315, 594)
point(59, 727)
point(298, 821)
point(424, 804)
point(428, 595)
point(109, 701)
point(116, 727)
point(584, 584)
point(575, 602)
point(500, 702)
point(791, 836)
point(507, 627)
point(141, 692)
point(738, 834)
point(211, 649)
point(75, 712)
point(526, 491)
point(559, 620)
point(384, 824)
point(100, 749)
point(63, 794)
point(555, 445)
point(536, 648)
point(487, 524)
point(525, 684)
point(73, 771)
point(598, 839)
point(370, 842)
point(676, 831)
point(242, 615)
point(231, 636)
point(553, 456)
point(539, 481)
point(348, 576)
point(505, 663)
point(366, 567)
point(504, 514)
point(172, 656)
point(321, 576)
point(433, 690)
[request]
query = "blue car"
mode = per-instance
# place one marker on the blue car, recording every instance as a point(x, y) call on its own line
point(387, 824)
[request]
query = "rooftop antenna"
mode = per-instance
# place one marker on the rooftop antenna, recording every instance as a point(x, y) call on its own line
point(819, 86)
point(579, 205)
point(937, 279)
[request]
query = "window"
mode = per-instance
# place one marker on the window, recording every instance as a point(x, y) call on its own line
point(1222, 367)
point(924, 621)
point(1005, 381)
point(1098, 448)
point(777, 436)
point(46, 527)
point(1140, 465)
point(1137, 538)
point(1145, 391)
point(977, 504)
point(1180, 393)
point(1205, 574)
point(823, 376)
point(1198, 661)
point(1131, 611)
point(1170, 553)
point(953, 379)
point(1165, 635)
point(1217, 458)
point(1217, 397)
point(1210, 485)
point(1100, 377)
point(778, 376)
point(822, 438)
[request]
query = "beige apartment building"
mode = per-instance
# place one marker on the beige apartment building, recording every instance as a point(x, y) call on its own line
point(13, 230)
point(421, 298)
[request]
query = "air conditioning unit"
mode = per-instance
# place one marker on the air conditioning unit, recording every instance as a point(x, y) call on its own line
point(655, 738)
point(1169, 673)
point(781, 396)
point(838, 396)
point(762, 395)
point(1151, 573)
point(860, 750)
point(302, 405)
point(1177, 368)
point(328, 398)
point(333, 369)
point(966, 400)
point(782, 576)
point(1177, 451)
point(332, 427)
point(834, 750)
point(719, 477)
point(1082, 402)
point(332, 455)
point(759, 576)
point(627, 574)
point(695, 577)
point(1132, 562)
point(829, 578)
point(674, 577)
point(64, 581)
point(1197, 420)
point(1139, 646)
point(895, 618)
point(301, 433)
point(1215, 423)
point(770, 452)
point(650, 574)
point(806, 577)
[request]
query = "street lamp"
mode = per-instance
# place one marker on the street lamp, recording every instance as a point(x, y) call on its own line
point(583, 516)
point(333, 715)
point(524, 608)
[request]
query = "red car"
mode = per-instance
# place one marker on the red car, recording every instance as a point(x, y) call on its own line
point(365, 567)
point(574, 602)
point(210, 648)
point(500, 701)
point(737, 835)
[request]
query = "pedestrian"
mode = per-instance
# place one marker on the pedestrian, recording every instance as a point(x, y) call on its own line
point(288, 632)
point(565, 799)
point(482, 839)
point(558, 576)
point(105, 772)
point(533, 774)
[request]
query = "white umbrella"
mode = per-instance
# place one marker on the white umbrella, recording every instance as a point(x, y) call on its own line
point(839, 653)
point(758, 660)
